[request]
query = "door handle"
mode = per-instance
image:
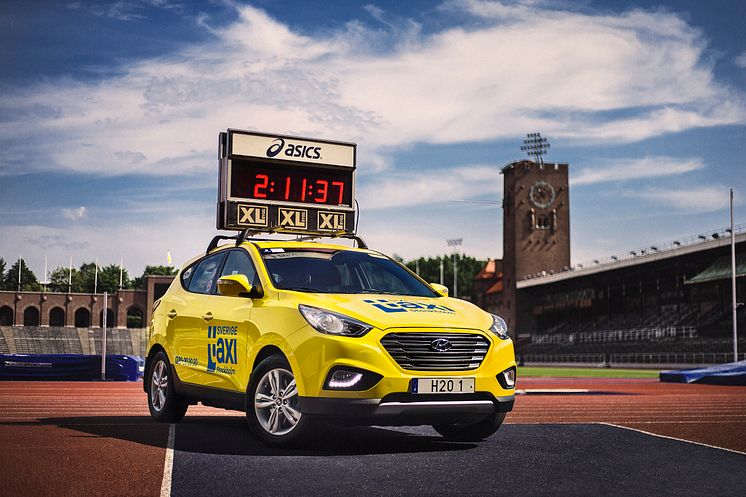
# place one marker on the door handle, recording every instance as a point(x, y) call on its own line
point(172, 313)
point(207, 316)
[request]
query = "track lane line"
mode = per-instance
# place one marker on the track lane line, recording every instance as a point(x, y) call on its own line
point(673, 438)
point(168, 463)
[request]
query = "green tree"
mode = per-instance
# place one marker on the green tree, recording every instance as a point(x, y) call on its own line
point(2, 273)
point(468, 267)
point(84, 279)
point(29, 282)
point(139, 282)
point(58, 279)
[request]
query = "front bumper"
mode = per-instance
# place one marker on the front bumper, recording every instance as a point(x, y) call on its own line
point(405, 408)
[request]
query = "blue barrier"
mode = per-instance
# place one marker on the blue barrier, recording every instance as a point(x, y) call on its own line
point(733, 373)
point(69, 367)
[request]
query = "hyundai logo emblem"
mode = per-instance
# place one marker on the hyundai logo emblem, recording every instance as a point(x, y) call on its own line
point(441, 344)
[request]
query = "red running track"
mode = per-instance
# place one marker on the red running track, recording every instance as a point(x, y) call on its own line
point(81, 438)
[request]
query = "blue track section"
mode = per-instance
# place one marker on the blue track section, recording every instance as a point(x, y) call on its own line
point(733, 373)
point(69, 367)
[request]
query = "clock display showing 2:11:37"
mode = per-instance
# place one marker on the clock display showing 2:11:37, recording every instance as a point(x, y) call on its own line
point(299, 189)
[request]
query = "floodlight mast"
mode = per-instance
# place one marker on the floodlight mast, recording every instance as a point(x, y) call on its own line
point(535, 146)
point(455, 242)
point(733, 280)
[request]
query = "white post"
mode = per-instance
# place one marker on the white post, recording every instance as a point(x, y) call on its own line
point(733, 278)
point(455, 276)
point(417, 267)
point(46, 274)
point(20, 270)
point(441, 270)
point(95, 278)
point(121, 271)
point(70, 276)
point(103, 336)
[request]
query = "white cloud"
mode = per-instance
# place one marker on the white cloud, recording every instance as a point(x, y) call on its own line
point(741, 60)
point(521, 69)
point(74, 214)
point(706, 198)
point(402, 189)
point(633, 169)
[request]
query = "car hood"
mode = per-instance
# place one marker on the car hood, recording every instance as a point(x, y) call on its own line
point(391, 311)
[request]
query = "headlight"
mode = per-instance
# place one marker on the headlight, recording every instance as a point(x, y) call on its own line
point(499, 327)
point(332, 323)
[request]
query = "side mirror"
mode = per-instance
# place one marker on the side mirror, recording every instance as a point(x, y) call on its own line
point(234, 285)
point(439, 289)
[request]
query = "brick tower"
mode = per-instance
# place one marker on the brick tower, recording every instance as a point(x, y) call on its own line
point(536, 228)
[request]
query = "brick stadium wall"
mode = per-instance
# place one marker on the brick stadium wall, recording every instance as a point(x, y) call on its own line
point(69, 340)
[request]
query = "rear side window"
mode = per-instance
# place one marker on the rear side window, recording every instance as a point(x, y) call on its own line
point(238, 262)
point(203, 279)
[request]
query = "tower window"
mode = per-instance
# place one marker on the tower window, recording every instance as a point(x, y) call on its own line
point(543, 222)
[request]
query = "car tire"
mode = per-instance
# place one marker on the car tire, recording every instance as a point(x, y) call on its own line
point(272, 410)
point(471, 431)
point(164, 405)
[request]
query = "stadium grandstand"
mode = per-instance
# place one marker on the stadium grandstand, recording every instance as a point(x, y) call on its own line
point(660, 304)
point(71, 323)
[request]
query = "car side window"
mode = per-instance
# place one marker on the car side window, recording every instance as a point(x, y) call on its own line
point(239, 262)
point(185, 275)
point(203, 278)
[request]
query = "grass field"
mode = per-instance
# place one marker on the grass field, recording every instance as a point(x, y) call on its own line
point(586, 372)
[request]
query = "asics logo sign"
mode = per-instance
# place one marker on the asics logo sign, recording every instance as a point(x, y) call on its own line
point(279, 147)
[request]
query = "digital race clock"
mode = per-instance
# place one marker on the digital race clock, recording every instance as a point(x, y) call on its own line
point(291, 183)
point(282, 183)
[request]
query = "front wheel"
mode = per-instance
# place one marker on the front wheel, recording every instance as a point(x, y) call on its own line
point(471, 430)
point(163, 402)
point(272, 404)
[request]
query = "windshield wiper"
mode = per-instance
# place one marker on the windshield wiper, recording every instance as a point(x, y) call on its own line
point(304, 289)
point(377, 292)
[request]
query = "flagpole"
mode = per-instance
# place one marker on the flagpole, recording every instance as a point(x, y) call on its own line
point(70, 276)
point(95, 278)
point(20, 270)
point(121, 271)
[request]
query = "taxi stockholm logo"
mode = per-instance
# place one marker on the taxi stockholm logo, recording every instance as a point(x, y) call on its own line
point(293, 150)
point(405, 306)
point(223, 350)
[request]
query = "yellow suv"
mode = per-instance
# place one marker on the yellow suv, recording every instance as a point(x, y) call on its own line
point(294, 331)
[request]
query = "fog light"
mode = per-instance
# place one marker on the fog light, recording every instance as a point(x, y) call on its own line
point(507, 378)
point(349, 378)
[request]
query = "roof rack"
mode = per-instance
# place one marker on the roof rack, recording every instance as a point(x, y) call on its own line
point(248, 234)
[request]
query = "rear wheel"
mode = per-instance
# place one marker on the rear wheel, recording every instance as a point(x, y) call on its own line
point(272, 404)
point(471, 430)
point(163, 402)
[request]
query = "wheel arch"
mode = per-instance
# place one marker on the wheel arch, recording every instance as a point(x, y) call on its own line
point(157, 347)
point(282, 349)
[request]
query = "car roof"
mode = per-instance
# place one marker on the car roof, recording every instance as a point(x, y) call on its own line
point(302, 245)
point(285, 244)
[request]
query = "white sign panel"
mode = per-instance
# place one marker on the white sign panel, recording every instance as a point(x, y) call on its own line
point(292, 149)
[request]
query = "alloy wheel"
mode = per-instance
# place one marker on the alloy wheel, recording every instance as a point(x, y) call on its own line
point(276, 402)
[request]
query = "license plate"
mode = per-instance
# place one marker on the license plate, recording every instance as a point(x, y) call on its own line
point(443, 385)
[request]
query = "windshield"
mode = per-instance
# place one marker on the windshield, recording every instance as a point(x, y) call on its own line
point(340, 271)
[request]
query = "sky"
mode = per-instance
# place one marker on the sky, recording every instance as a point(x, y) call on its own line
point(110, 113)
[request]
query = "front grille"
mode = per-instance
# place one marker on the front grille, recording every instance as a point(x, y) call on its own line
point(414, 351)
